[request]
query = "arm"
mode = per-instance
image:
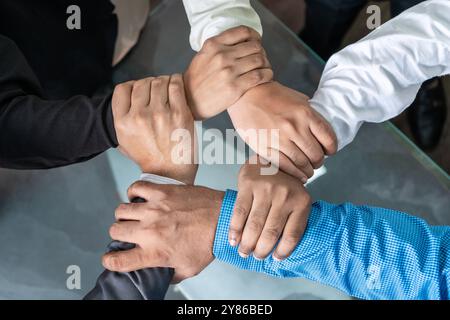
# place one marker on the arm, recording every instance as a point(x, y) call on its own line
point(370, 253)
point(212, 17)
point(162, 100)
point(376, 78)
point(38, 133)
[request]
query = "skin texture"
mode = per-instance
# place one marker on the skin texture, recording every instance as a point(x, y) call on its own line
point(268, 209)
point(174, 228)
point(224, 69)
point(304, 135)
point(146, 113)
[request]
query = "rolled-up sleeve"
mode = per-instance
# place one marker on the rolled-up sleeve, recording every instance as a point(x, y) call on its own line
point(367, 252)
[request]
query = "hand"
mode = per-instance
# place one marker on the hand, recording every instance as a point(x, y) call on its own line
point(174, 228)
point(224, 69)
point(268, 209)
point(147, 114)
point(304, 135)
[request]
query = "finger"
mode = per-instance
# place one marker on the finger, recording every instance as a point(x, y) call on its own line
point(147, 191)
point(245, 49)
point(121, 100)
point(127, 211)
point(254, 225)
point(235, 35)
point(177, 96)
point(124, 261)
point(140, 97)
point(272, 231)
point(297, 157)
point(253, 78)
point(251, 62)
point(124, 231)
point(241, 211)
point(310, 147)
point(292, 233)
point(325, 134)
point(159, 93)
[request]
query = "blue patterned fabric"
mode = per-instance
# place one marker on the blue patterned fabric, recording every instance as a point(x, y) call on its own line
point(367, 252)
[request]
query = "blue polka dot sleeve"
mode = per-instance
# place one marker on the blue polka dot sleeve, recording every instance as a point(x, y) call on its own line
point(367, 252)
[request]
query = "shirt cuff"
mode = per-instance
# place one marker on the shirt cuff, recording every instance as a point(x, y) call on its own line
point(154, 178)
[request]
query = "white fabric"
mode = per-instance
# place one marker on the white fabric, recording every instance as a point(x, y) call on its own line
point(209, 18)
point(378, 77)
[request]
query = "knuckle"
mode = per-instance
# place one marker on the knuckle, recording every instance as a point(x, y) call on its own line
point(120, 208)
point(209, 44)
point(227, 73)
point(123, 87)
point(139, 84)
point(257, 75)
point(297, 158)
point(317, 160)
point(157, 83)
point(288, 126)
point(240, 211)
point(115, 262)
point(221, 59)
point(256, 46)
point(245, 31)
point(259, 60)
point(254, 225)
point(283, 192)
point(291, 238)
point(163, 257)
point(175, 86)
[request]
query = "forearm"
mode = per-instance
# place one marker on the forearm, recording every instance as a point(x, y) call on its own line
point(210, 18)
point(369, 253)
point(378, 77)
point(38, 133)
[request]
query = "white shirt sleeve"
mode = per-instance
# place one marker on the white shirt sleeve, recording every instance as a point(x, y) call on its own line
point(378, 77)
point(209, 18)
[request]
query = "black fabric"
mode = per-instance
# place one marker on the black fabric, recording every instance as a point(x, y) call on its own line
point(49, 115)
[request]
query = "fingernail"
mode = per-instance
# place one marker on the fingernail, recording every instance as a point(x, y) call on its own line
point(304, 180)
point(243, 255)
point(257, 258)
point(233, 242)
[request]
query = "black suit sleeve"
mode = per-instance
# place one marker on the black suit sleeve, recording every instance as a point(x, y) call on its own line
point(36, 133)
